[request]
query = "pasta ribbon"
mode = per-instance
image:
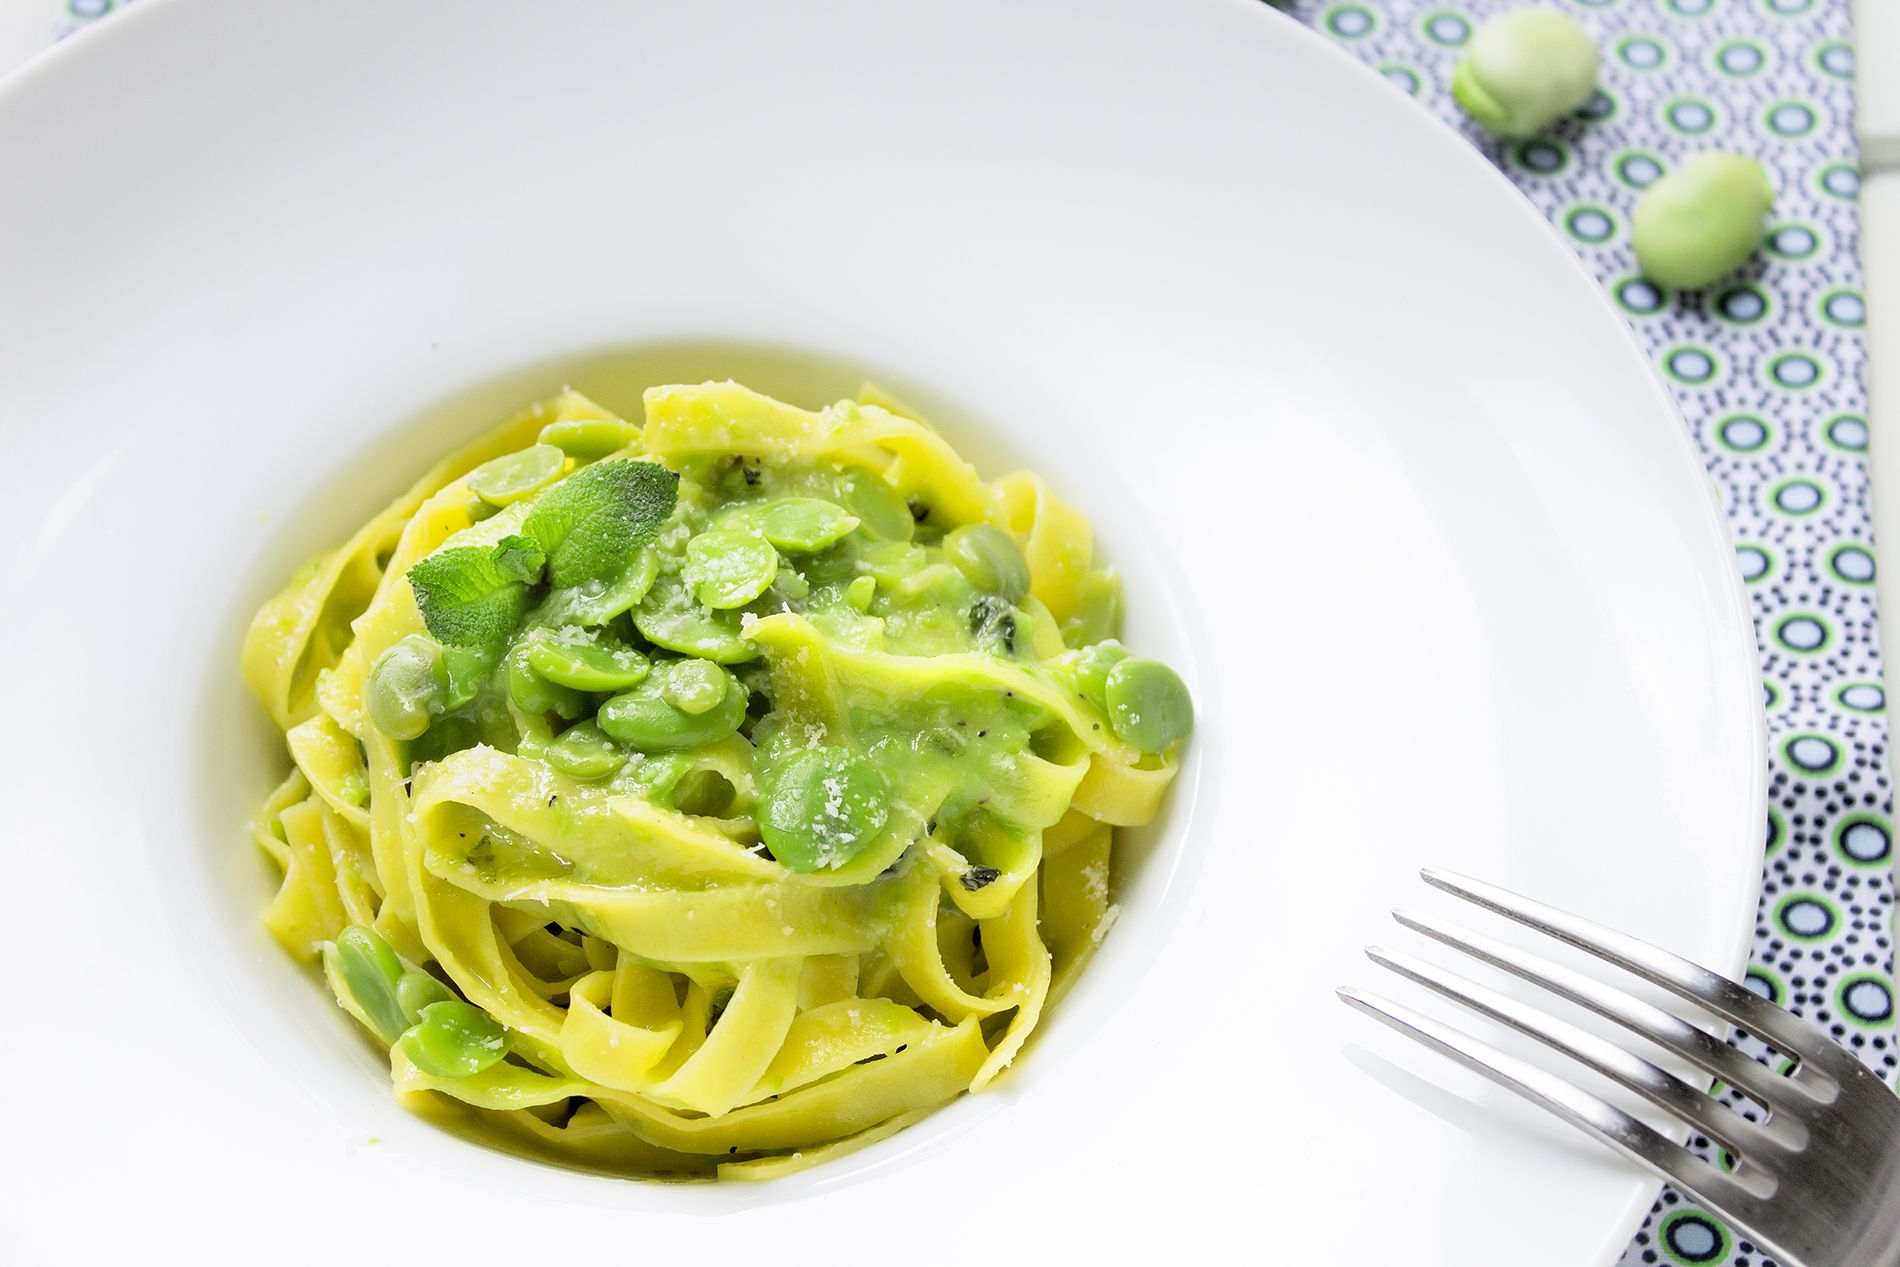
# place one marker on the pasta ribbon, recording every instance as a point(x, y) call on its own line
point(748, 846)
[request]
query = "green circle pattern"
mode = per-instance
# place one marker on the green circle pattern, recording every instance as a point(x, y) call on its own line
point(1695, 1238)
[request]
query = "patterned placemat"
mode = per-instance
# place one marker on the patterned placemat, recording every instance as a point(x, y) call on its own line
point(1767, 369)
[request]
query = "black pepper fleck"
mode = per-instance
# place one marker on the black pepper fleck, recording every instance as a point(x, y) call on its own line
point(977, 878)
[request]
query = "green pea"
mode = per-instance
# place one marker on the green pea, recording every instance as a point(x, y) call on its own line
point(363, 971)
point(821, 808)
point(584, 659)
point(1523, 70)
point(406, 687)
point(588, 438)
point(670, 617)
point(454, 1040)
point(535, 694)
point(509, 478)
point(584, 752)
point(877, 506)
point(1701, 221)
point(695, 686)
point(417, 990)
point(644, 718)
point(1091, 670)
point(729, 568)
point(989, 559)
point(796, 525)
point(1148, 704)
point(860, 592)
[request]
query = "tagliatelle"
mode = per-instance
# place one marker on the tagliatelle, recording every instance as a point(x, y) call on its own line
point(708, 797)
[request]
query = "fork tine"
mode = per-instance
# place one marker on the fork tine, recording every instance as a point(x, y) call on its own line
point(1627, 1135)
point(1658, 1086)
point(1646, 1019)
point(1735, 1003)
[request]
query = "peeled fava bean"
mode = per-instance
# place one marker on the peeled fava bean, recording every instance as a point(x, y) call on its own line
point(1702, 221)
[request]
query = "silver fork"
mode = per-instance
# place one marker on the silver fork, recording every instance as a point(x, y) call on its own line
point(1816, 1183)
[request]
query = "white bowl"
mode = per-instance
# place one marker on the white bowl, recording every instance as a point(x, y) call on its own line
point(1389, 481)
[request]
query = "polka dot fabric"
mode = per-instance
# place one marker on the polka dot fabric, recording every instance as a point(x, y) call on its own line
point(1767, 368)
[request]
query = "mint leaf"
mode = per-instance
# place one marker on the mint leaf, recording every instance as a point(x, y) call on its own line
point(471, 596)
point(521, 557)
point(593, 521)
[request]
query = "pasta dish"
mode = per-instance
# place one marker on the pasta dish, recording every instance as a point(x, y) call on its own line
point(704, 796)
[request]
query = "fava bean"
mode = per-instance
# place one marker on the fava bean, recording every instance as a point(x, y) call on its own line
point(1098, 611)
point(588, 438)
point(416, 991)
point(585, 660)
point(448, 734)
point(702, 792)
point(406, 687)
point(860, 592)
point(796, 525)
point(511, 477)
point(821, 808)
point(1091, 670)
point(695, 686)
point(989, 559)
point(644, 718)
point(787, 587)
point(670, 617)
point(1523, 70)
point(584, 752)
point(535, 694)
point(728, 568)
point(454, 1040)
point(363, 972)
point(890, 561)
point(877, 506)
point(467, 670)
point(597, 602)
point(1148, 704)
point(1701, 221)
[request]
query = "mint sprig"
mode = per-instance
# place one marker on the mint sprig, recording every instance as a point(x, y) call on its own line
point(595, 519)
point(584, 528)
point(474, 596)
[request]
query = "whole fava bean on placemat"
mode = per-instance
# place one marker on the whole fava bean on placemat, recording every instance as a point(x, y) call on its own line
point(1766, 366)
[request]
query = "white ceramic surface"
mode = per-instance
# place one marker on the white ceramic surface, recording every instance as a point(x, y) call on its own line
point(1389, 481)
